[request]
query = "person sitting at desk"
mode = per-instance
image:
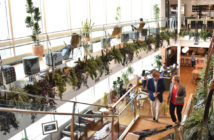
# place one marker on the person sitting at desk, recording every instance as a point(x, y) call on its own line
point(165, 73)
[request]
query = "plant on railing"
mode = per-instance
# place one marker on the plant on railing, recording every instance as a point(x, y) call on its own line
point(117, 29)
point(118, 16)
point(87, 28)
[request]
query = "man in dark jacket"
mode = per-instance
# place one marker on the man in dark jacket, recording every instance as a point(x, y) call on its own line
point(155, 87)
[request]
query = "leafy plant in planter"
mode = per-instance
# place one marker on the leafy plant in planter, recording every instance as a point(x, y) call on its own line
point(32, 21)
point(125, 75)
point(105, 99)
point(117, 28)
point(203, 35)
point(158, 61)
point(182, 33)
point(191, 34)
point(86, 29)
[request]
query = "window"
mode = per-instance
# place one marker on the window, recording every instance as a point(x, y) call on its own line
point(57, 17)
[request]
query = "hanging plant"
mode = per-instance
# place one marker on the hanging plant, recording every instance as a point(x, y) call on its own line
point(165, 36)
point(100, 64)
point(73, 80)
point(116, 55)
point(149, 41)
point(7, 120)
point(143, 45)
point(59, 82)
point(106, 58)
point(91, 67)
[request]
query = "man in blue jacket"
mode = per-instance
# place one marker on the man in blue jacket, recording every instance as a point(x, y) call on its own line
point(155, 88)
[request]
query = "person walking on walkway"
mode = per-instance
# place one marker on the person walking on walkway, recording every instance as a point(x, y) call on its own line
point(155, 87)
point(177, 93)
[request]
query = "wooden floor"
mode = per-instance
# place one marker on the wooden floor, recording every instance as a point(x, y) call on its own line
point(145, 121)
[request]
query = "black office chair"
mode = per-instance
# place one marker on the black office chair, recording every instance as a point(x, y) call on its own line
point(193, 24)
point(210, 25)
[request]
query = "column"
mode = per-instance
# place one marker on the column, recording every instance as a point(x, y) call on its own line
point(178, 58)
point(162, 12)
point(179, 16)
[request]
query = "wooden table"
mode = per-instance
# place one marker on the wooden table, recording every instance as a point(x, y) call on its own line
point(200, 66)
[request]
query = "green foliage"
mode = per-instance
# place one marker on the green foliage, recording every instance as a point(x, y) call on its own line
point(203, 34)
point(125, 78)
point(7, 121)
point(118, 85)
point(130, 70)
point(182, 33)
point(32, 21)
point(100, 64)
point(193, 124)
point(91, 67)
point(73, 78)
point(165, 108)
point(118, 16)
point(191, 34)
point(87, 28)
point(116, 55)
point(59, 82)
point(158, 61)
point(156, 10)
point(105, 99)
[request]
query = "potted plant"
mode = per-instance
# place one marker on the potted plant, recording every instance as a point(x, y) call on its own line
point(156, 10)
point(32, 21)
point(86, 29)
point(117, 29)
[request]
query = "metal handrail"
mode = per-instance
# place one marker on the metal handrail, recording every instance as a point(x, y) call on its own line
point(41, 97)
point(78, 30)
point(2, 109)
point(124, 95)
